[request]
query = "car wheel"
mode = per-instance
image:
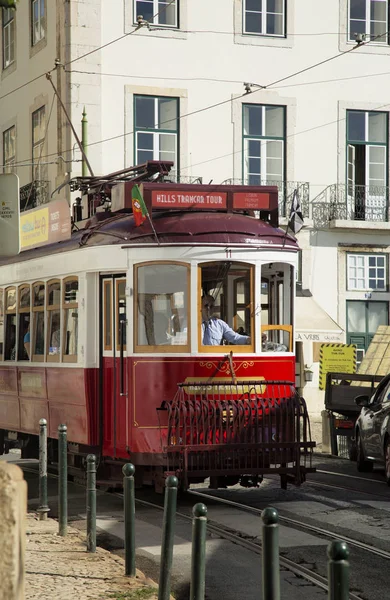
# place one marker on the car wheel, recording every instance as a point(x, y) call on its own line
point(363, 466)
point(387, 461)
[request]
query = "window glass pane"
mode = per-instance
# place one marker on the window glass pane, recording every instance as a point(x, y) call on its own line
point(356, 27)
point(107, 315)
point(356, 316)
point(121, 311)
point(39, 294)
point(10, 299)
point(378, 30)
point(71, 291)
point(71, 332)
point(275, 6)
point(167, 113)
point(144, 112)
point(253, 22)
point(144, 156)
point(377, 127)
point(24, 297)
point(254, 5)
point(167, 13)
point(144, 141)
point(356, 127)
point(357, 9)
point(167, 147)
point(253, 121)
point(144, 8)
point(275, 24)
point(162, 305)
point(54, 293)
point(377, 315)
point(54, 332)
point(274, 121)
point(24, 349)
point(39, 333)
point(378, 10)
point(10, 338)
point(253, 148)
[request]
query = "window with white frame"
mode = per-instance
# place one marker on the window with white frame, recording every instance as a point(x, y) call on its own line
point(369, 18)
point(8, 37)
point(263, 143)
point(157, 12)
point(38, 21)
point(367, 272)
point(38, 140)
point(264, 17)
point(156, 129)
point(9, 149)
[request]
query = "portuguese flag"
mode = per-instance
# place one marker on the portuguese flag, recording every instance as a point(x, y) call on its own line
point(140, 212)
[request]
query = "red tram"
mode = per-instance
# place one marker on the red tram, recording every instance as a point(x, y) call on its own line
point(105, 332)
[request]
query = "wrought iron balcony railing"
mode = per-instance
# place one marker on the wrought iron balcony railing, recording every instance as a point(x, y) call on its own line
point(33, 194)
point(350, 203)
point(286, 192)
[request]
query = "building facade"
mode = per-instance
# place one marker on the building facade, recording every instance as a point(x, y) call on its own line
point(252, 91)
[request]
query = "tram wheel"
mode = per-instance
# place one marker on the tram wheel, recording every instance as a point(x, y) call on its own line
point(363, 465)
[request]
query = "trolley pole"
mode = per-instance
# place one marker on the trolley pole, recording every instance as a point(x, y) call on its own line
point(270, 554)
point(62, 480)
point(164, 584)
point(128, 471)
point(198, 557)
point(43, 508)
point(91, 503)
point(338, 571)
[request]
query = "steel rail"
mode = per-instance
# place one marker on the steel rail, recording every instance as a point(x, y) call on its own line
point(225, 533)
point(297, 524)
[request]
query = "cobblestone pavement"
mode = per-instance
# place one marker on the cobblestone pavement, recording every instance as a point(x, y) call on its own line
point(61, 568)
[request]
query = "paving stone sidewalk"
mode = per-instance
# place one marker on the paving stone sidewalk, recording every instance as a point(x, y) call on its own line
point(61, 568)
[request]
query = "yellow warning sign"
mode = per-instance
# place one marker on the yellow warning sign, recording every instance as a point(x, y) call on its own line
point(338, 358)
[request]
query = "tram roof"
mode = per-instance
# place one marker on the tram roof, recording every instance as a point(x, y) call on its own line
point(172, 228)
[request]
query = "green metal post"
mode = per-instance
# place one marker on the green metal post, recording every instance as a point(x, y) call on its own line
point(338, 571)
point(170, 501)
point(84, 143)
point(270, 554)
point(43, 508)
point(128, 471)
point(91, 503)
point(198, 558)
point(62, 480)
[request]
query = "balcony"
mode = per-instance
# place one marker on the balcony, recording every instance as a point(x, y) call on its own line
point(286, 190)
point(33, 195)
point(346, 206)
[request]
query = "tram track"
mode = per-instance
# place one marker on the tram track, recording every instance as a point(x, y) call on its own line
point(239, 539)
point(294, 523)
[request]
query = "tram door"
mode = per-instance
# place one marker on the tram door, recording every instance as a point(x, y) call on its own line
point(114, 385)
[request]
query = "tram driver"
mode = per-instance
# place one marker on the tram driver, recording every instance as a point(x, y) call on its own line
point(214, 330)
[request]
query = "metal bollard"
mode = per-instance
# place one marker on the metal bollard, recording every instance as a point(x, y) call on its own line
point(91, 503)
point(270, 554)
point(43, 508)
point(62, 480)
point(338, 571)
point(198, 557)
point(170, 501)
point(128, 471)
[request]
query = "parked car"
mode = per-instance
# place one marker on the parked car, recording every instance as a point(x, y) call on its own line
point(372, 429)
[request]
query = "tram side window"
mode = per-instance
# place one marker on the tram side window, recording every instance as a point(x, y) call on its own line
point(1, 323)
point(229, 284)
point(70, 307)
point(54, 320)
point(10, 324)
point(38, 333)
point(162, 305)
point(276, 307)
point(24, 343)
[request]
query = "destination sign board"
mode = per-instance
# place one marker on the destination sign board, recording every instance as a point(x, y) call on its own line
point(252, 200)
point(193, 199)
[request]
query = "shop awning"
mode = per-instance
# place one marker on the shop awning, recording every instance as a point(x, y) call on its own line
point(313, 324)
